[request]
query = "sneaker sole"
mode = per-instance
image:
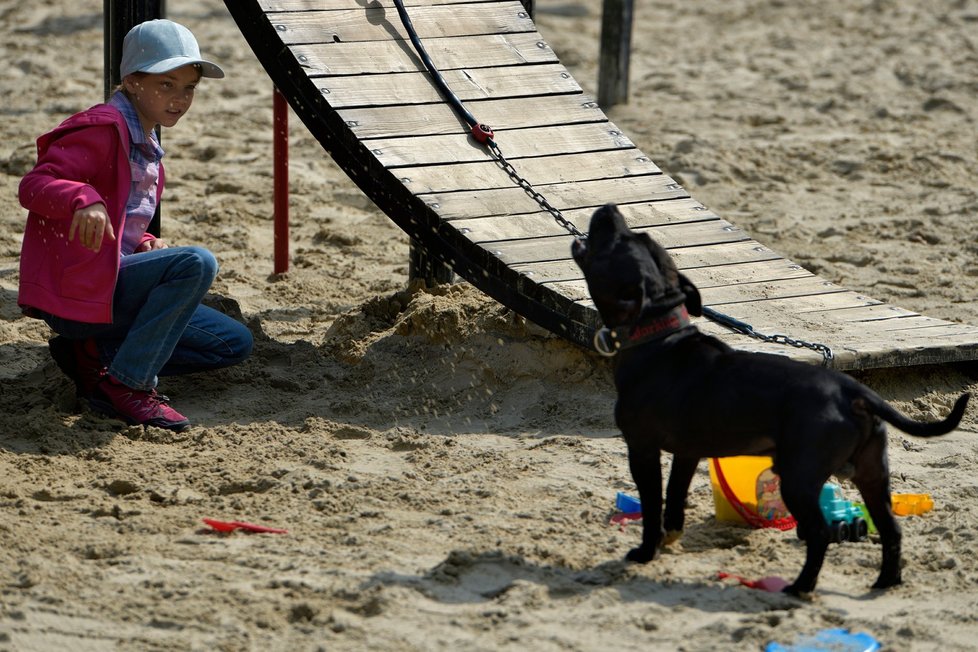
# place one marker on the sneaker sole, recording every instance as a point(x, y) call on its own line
point(105, 408)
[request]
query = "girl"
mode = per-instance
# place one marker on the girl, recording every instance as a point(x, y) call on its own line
point(126, 307)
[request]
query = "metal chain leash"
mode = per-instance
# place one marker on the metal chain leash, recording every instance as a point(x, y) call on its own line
point(746, 329)
point(534, 194)
point(484, 135)
point(481, 132)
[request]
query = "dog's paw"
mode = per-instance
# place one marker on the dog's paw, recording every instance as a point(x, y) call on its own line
point(794, 591)
point(887, 582)
point(671, 537)
point(641, 555)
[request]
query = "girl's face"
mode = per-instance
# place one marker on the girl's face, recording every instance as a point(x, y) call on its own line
point(162, 99)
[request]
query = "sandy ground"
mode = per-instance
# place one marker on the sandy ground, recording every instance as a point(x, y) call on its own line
point(446, 472)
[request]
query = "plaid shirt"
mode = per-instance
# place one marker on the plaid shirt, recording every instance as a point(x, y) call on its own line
point(145, 155)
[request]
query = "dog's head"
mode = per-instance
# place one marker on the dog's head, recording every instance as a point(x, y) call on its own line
point(629, 275)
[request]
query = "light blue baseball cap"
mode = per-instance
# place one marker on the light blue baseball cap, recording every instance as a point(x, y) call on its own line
point(162, 45)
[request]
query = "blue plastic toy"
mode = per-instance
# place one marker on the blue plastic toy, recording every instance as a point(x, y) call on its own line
point(830, 640)
point(845, 519)
point(627, 504)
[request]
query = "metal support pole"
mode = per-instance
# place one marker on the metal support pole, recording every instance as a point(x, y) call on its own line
point(424, 267)
point(118, 17)
point(280, 164)
point(616, 45)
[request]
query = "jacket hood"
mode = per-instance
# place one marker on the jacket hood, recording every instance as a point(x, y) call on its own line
point(100, 114)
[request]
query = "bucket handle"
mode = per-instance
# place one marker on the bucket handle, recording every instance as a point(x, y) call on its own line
point(752, 518)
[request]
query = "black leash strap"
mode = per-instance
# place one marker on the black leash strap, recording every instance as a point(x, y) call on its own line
point(482, 133)
point(746, 329)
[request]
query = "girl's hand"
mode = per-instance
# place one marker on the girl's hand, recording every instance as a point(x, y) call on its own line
point(150, 245)
point(91, 224)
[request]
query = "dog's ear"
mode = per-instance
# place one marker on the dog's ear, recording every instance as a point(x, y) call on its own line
point(670, 275)
point(694, 304)
point(673, 277)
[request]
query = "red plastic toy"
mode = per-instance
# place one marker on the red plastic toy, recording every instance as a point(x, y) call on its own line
point(231, 526)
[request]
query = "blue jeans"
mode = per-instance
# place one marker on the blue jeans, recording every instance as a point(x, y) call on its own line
point(158, 326)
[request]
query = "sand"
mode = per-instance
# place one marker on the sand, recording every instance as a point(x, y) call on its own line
point(446, 472)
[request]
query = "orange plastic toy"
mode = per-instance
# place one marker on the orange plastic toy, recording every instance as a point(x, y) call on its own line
point(911, 504)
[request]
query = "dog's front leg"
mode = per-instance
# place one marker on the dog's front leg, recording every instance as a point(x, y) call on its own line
point(647, 474)
point(680, 476)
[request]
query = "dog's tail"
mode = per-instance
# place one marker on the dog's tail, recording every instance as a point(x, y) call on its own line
point(920, 428)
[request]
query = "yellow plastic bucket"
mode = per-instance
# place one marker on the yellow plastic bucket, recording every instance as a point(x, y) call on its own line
point(753, 484)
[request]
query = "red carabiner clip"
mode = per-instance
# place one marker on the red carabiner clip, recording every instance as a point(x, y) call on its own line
point(481, 132)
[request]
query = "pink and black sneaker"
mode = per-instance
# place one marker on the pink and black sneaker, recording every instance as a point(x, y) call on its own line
point(134, 406)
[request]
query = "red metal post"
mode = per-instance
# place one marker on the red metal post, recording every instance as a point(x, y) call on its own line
point(280, 153)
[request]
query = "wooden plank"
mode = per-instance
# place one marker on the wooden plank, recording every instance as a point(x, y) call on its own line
point(540, 223)
point(274, 6)
point(762, 292)
point(749, 302)
point(928, 326)
point(541, 170)
point(765, 271)
point(879, 342)
point(695, 234)
point(842, 308)
point(809, 315)
point(863, 353)
point(748, 272)
point(832, 311)
point(516, 252)
point(902, 343)
point(468, 84)
point(642, 213)
point(378, 24)
point(839, 308)
point(541, 141)
point(447, 54)
point(883, 355)
point(774, 317)
point(859, 344)
point(862, 309)
point(431, 119)
point(936, 336)
point(688, 258)
point(513, 201)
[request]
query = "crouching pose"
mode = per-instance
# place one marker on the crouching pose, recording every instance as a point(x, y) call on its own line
point(126, 308)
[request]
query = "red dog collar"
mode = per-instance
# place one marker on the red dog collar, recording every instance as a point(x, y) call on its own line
point(608, 341)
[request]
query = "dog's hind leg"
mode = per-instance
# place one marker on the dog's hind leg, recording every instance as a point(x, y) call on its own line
point(877, 497)
point(800, 494)
point(680, 476)
point(872, 478)
point(647, 474)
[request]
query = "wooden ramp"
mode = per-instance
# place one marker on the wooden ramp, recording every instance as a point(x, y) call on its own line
point(350, 73)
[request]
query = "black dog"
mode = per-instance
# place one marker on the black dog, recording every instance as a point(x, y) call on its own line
point(692, 395)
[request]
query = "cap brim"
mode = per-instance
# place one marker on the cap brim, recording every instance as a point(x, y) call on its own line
point(207, 68)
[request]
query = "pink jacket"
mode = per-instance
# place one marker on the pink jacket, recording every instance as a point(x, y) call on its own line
point(83, 161)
